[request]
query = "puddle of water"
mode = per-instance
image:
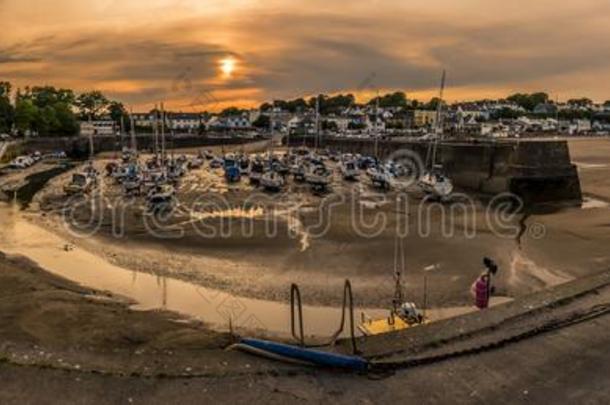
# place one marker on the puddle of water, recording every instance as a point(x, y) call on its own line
point(21, 237)
point(522, 268)
point(152, 292)
point(592, 203)
point(582, 165)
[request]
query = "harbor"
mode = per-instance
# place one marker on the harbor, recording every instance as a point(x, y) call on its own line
point(293, 202)
point(287, 236)
point(185, 283)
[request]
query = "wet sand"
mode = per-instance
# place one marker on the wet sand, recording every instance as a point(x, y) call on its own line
point(220, 310)
point(592, 157)
point(319, 247)
point(40, 309)
point(58, 324)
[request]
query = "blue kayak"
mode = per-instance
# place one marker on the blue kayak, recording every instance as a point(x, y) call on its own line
point(302, 355)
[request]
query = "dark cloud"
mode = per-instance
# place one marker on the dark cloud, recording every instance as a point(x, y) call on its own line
point(354, 47)
point(16, 59)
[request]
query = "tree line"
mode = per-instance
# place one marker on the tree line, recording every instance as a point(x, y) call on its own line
point(50, 111)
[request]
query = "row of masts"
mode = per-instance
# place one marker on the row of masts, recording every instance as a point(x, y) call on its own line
point(159, 124)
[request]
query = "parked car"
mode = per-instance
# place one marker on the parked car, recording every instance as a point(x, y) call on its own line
point(22, 162)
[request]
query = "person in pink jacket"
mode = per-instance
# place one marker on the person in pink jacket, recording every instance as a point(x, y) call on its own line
point(482, 289)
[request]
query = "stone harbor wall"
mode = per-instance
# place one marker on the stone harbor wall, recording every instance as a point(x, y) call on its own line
point(538, 171)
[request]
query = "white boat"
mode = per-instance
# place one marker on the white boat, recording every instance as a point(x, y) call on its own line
point(161, 199)
point(436, 183)
point(256, 171)
point(349, 170)
point(132, 185)
point(272, 181)
point(196, 163)
point(318, 176)
point(433, 181)
point(300, 173)
point(380, 178)
point(81, 183)
point(216, 163)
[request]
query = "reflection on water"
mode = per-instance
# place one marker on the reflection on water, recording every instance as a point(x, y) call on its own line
point(591, 203)
point(216, 308)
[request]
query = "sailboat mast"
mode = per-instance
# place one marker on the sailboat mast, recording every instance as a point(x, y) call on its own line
point(162, 132)
point(122, 124)
point(376, 129)
point(156, 133)
point(317, 122)
point(399, 268)
point(439, 119)
point(439, 107)
point(271, 126)
point(90, 140)
point(134, 145)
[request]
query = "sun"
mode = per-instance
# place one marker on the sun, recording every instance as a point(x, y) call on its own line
point(227, 67)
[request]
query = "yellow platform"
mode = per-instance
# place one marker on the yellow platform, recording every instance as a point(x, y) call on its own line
point(380, 326)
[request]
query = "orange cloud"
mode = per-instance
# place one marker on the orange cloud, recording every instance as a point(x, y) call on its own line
point(147, 51)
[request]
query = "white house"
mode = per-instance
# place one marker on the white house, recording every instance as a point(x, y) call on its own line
point(189, 122)
point(98, 127)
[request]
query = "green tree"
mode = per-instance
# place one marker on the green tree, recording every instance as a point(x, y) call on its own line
point(529, 101)
point(580, 102)
point(118, 113)
point(231, 111)
point(332, 104)
point(396, 99)
point(506, 113)
point(65, 120)
point(433, 104)
point(265, 107)
point(26, 114)
point(7, 113)
point(45, 111)
point(92, 105)
point(49, 95)
point(263, 121)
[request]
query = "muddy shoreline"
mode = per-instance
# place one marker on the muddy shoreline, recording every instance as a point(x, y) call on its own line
point(260, 266)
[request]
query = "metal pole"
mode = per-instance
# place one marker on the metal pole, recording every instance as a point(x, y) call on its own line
point(425, 294)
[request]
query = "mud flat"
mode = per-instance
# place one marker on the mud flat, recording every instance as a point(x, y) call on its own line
point(78, 343)
point(592, 158)
point(220, 310)
point(319, 248)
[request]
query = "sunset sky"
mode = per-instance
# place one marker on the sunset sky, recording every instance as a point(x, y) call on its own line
point(198, 54)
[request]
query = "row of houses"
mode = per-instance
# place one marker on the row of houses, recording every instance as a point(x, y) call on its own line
point(194, 122)
point(175, 122)
point(472, 118)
